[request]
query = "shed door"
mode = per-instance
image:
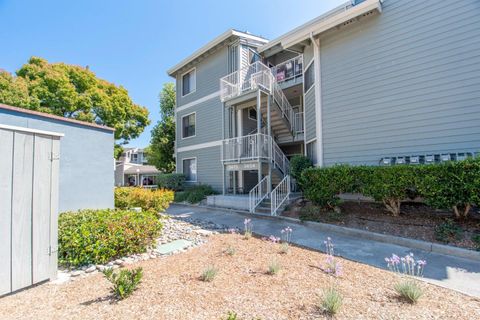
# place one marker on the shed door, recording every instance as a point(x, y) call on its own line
point(28, 196)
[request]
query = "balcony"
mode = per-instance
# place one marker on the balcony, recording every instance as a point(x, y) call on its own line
point(257, 75)
point(288, 70)
point(254, 147)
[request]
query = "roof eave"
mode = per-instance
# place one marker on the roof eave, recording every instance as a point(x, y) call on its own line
point(218, 40)
point(314, 27)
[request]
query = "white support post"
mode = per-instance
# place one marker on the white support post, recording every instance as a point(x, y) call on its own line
point(318, 100)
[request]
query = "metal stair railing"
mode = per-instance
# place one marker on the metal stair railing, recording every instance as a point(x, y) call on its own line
point(258, 193)
point(280, 195)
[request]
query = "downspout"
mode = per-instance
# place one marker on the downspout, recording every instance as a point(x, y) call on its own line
point(318, 100)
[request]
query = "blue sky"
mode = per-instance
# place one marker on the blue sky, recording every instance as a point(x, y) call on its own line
point(133, 43)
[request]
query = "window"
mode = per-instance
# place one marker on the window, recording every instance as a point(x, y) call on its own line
point(190, 169)
point(253, 56)
point(134, 157)
point(252, 114)
point(309, 78)
point(311, 151)
point(188, 125)
point(189, 82)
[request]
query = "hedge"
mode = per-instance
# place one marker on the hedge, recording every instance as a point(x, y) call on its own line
point(98, 236)
point(194, 194)
point(147, 199)
point(452, 185)
point(171, 181)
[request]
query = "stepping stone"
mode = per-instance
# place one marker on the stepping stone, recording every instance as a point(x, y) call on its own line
point(173, 246)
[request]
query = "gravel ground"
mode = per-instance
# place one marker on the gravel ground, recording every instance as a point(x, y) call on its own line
point(171, 289)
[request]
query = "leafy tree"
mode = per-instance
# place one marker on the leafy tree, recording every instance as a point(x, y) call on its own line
point(73, 92)
point(161, 150)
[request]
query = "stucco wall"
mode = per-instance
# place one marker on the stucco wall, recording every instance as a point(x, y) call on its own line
point(86, 160)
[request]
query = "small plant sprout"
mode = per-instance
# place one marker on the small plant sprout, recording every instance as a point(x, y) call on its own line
point(331, 301)
point(230, 250)
point(408, 289)
point(248, 226)
point(273, 268)
point(331, 265)
point(284, 248)
point(208, 274)
point(124, 282)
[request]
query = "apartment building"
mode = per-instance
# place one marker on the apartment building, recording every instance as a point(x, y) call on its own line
point(369, 82)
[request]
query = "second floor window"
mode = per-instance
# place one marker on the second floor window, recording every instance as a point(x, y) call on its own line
point(309, 77)
point(189, 82)
point(188, 125)
point(134, 157)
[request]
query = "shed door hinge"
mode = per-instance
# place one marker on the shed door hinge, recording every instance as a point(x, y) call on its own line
point(53, 156)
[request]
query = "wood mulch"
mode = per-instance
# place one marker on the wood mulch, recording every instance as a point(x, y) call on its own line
point(171, 289)
point(416, 221)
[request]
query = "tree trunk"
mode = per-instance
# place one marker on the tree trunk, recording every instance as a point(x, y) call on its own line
point(464, 214)
point(393, 205)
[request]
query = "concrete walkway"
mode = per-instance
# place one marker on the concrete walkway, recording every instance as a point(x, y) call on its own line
point(452, 272)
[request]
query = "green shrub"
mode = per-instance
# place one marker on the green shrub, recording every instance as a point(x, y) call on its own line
point(171, 181)
point(323, 185)
point(208, 274)
point(147, 199)
point(451, 185)
point(98, 236)
point(124, 282)
point(194, 194)
point(314, 213)
point(448, 231)
point(409, 290)
point(389, 185)
point(331, 301)
point(476, 241)
point(231, 316)
point(298, 164)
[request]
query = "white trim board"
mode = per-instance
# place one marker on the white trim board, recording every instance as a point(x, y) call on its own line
point(30, 130)
point(193, 103)
point(200, 146)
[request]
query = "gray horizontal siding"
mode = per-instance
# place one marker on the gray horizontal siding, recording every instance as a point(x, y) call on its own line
point(208, 74)
point(208, 123)
point(209, 166)
point(310, 124)
point(307, 56)
point(402, 82)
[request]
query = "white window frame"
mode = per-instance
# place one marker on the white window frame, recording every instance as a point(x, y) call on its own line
point(304, 73)
point(196, 168)
point(195, 82)
point(181, 125)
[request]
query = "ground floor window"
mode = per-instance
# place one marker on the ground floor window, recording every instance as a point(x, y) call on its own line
point(190, 169)
point(311, 151)
point(132, 181)
point(149, 180)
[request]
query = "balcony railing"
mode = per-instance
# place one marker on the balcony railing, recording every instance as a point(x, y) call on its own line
point(256, 75)
point(254, 147)
point(298, 123)
point(289, 69)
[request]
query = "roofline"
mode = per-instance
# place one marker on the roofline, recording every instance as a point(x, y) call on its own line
point(54, 117)
point(224, 36)
point(321, 23)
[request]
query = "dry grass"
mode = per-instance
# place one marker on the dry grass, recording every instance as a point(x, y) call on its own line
point(171, 289)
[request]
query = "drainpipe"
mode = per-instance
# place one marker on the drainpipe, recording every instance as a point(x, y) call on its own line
point(318, 100)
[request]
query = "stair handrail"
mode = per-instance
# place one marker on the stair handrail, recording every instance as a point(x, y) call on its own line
point(258, 193)
point(279, 195)
point(279, 159)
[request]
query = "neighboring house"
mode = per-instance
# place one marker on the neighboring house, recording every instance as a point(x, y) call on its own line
point(370, 82)
point(132, 169)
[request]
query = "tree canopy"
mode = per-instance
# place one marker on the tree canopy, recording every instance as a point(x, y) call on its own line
point(161, 150)
point(73, 92)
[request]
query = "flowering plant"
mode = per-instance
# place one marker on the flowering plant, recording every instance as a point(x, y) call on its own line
point(286, 234)
point(331, 265)
point(406, 265)
point(248, 226)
